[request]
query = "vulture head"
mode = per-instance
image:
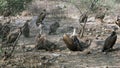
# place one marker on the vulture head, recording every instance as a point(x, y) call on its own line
point(83, 18)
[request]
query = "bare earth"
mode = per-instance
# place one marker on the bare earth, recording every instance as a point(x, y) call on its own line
point(63, 57)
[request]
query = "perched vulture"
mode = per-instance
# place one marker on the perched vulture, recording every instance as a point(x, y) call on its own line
point(41, 17)
point(83, 18)
point(101, 14)
point(26, 29)
point(50, 46)
point(7, 21)
point(74, 44)
point(118, 21)
point(118, 18)
point(54, 27)
point(109, 42)
point(0, 27)
point(69, 42)
point(43, 43)
point(6, 55)
point(13, 35)
point(1, 30)
point(39, 44)
point(5, 31)
point(7, 13)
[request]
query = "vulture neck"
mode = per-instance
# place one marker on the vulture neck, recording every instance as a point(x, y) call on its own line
point(74, 32)
point(113, 33)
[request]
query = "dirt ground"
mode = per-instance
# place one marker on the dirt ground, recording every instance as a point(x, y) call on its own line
point(63, 57)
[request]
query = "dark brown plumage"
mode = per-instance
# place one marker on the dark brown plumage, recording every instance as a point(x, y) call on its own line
point(0, 27)
point(109, 42)
point(72, 43)
point(26, 29)
point(54, 27)
point(12, 36)
point(83, 18)
point(43, 43)
point(50, 46)
point(41, 17)
point(1, 30)
point(6, 56)
point(7, 13)
point(77, 43)
point(39, 44)
point(118, 21)
point(5, 31)
point(118, 18)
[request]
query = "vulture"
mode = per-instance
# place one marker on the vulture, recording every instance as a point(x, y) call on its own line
point(1, 30)
point(110, 42)
point(54, 27)
point(0, 27)
point(69, 42)
point(13, 35)
point(41, 17)
point(43, 43)
point(7, 13)
point(118, 21)
point(83, 18)
point(39, 41)
point(101, 14)
point(6, 55)
point(118, 18)
point(74, 44)
point(7, 22)
point(5, 31)
point(26, 29)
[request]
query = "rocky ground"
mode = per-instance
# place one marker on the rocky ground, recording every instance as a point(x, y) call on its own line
point(63, 57)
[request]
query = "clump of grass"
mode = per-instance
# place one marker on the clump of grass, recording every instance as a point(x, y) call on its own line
point(13, 6)
point(94, 5)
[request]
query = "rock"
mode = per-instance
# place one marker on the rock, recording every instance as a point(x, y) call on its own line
point(54, 27)
point(26, 29)
point(64, 29)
